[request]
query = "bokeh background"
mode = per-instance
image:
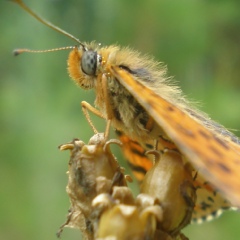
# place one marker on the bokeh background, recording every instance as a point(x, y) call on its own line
point(40, 106)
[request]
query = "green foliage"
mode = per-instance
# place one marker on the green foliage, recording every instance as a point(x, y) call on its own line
point(40, 106)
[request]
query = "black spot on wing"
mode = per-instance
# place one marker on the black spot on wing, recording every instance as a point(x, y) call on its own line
point(214, 127)
point(171, 109)
point(137, 168)
point(210, 199)
point(136, 151)
point(149, 146)
point(222, 143)
point(185, 131)
point(142, 73)
point(215, 151)
point(224, 168)
point(204, 134)
point(205, 206)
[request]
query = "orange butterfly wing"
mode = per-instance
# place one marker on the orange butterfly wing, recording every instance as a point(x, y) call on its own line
point(135, 155)
point(217, 160)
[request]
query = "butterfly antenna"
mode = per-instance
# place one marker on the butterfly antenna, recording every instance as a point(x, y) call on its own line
point(16, 52)
point(47, 23)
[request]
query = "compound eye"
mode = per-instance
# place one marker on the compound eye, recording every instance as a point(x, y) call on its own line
point(89, 62)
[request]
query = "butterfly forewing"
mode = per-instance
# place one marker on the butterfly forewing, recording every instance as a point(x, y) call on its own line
point(217, 160)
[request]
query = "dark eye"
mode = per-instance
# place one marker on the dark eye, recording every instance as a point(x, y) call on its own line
point(89, 62)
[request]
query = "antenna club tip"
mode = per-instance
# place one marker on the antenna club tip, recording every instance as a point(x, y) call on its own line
point(16, 52)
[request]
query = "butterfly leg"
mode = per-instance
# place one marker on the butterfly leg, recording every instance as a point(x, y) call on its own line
point(86, 107)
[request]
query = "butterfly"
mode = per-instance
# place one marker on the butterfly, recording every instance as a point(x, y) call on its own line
point(134, 94)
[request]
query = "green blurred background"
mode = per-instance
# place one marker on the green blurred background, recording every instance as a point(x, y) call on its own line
point(40, 106)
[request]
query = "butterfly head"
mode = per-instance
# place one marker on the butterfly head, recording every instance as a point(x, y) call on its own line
point(83, 65)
